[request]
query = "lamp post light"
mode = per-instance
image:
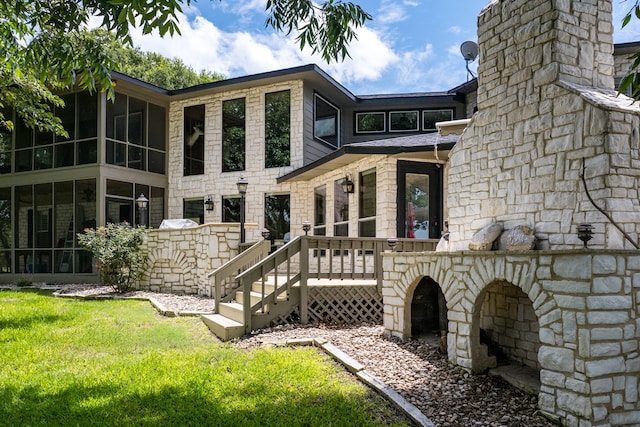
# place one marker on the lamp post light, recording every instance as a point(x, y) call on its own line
point(242, 189)
point(392, 242)
point(142, 202)
point(306, 226)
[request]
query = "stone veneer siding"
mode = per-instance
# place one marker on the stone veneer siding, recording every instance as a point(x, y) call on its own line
point(214, 182)
point(179, 260)
point(546, 101)
point(587, 308)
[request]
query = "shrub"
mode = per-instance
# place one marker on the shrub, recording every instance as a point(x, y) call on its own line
point(118, 253)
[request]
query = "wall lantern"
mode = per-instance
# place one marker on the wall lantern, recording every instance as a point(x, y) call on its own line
point(208, 204)
point(585, 232)
point(347, 185)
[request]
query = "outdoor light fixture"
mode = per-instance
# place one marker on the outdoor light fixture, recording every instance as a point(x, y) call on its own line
point(306, 226)
point(585, 232)
point(265, 233)
point(142, 202)
point(347, 185)
point(242, 189)
point(392, 242)
point(208, 204)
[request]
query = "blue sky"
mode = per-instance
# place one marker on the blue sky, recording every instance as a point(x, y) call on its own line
point(410, 46)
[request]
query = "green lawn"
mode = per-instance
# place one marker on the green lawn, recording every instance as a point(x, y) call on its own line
point(66, 362)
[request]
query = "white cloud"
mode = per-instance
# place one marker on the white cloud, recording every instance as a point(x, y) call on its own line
point(390, 13)
point(454, 29)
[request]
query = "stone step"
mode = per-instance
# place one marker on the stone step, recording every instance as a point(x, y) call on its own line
point(223, 327)
point(232, 310)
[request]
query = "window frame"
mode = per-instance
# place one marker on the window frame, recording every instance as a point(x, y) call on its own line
point(439, 110)
point(369, 113)
point(417, 119)
point(320, 138)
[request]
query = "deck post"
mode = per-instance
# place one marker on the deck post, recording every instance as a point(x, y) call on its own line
point(379, 249)
point(245, 285)
point(304, 274)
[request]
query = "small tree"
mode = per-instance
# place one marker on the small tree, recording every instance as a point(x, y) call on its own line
point(119, 256)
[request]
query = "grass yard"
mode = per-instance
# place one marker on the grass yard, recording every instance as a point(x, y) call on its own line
point(66, 362)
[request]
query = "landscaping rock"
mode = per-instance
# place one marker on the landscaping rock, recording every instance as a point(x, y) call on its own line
point(520, 238)
point(484, 238)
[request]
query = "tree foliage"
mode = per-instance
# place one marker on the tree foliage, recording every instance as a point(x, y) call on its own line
point(118, 253)
point(151, 67)
point(46, 48)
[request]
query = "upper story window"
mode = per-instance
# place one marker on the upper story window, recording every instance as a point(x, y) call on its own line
point(367, 204)
point(36, 150)
point(400, 121)
point(277, 129)
point(233, 135)
point(194, 140)
point(431, 117)
point(403, 121)
point(135, 132)
point(370, 122)
point(326, 125)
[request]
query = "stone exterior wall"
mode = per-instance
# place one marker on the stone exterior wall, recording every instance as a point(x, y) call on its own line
point(546, 101)
point(586, 306)
point(214, 182)
point(179, 260)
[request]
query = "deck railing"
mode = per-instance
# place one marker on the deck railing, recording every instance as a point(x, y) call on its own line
point(318, 257)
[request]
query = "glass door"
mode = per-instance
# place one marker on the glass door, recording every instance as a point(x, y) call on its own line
point(419, 200)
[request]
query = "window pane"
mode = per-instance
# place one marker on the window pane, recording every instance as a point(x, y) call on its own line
point(119, 188)
point(44, 215)
point(231, 209)
point(277, 129)
point(157, 126)
point(327, 122)
point(88, 115)
point(417, 205)
point(370, 122)
point(156, 207)
point(85, 208)
point(64, 154)
point(194, 140)
point(341, 202)
point(116, 118)
point(156, 162)
point(87, 152)
point(24, 216)
point(194, 210)
point(43, 138)
point(119, 210)
point(431, 117)
point(64, 228)
point(23, 160)
point(43, 157)
point(367, 199)
point(5, 222)
point(67, 115)
point(320, 205)
point(116, 153)
point(276, 216)
point(341, 230)
point(367, 228)
point(5, 151)
point(136, 121)
point(24, 135)
point(403, 121)
point(136, 158)
point(233, 135)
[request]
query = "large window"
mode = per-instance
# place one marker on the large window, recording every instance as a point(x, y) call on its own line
point(403, 121)
point(326, 126)
point(367, 204)
point(135, 133)
point(36, 150)
point(5, 230)
point(340, 209)
point(194, 140)
point(431, 117)
point(122, 207)
point(231, 209)
point(320, 211)
point(276, 216)
point(233, 135)
point(370, 122)
point(277, 116)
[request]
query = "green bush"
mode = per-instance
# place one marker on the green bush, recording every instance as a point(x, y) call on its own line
point(118, 253)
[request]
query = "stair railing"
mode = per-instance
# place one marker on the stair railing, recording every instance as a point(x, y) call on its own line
point(227, 272)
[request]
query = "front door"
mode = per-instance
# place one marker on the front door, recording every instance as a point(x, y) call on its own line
point(419, 200)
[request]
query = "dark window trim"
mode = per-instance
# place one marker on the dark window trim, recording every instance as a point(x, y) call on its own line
point(338, 125)
point(387, 121)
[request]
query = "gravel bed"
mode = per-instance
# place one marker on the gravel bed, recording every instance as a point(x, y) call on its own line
point(448, 395)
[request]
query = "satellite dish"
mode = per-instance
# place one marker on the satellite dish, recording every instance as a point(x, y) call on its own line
point(469, 51)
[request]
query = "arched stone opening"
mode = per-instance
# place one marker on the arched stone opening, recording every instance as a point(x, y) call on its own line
point(506, 336)
point(428, 312)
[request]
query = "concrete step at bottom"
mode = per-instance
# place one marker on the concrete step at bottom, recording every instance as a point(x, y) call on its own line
point(223, 327)
point(232, 310)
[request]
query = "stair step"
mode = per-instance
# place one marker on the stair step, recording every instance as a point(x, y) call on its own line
point(223, 327)
point(268, 287)
point(256, 297)
point(232, 310)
